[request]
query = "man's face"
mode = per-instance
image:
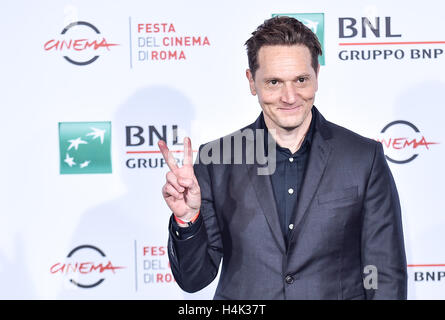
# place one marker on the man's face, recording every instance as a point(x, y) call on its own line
point(285, 83)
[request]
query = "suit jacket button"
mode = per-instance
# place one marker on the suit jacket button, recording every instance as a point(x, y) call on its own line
point(289, 279)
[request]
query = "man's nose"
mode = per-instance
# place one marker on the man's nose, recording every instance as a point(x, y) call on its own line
point(289, 93)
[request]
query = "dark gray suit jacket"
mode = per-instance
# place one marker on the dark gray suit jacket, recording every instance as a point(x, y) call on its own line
point(347, 217)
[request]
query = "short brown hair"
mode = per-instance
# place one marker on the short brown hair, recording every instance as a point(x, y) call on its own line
point(281, 30)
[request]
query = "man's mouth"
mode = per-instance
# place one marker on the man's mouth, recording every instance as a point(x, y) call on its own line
point(287, 109)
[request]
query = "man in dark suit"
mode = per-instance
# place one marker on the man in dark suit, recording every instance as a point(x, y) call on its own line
point(320, 221)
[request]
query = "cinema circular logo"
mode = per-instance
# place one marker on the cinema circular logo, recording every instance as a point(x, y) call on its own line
point(403, 141)
point(80, 43)
point(86, 266)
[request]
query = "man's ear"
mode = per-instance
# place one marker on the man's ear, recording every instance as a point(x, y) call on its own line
point(251, 82)
point(316, 79)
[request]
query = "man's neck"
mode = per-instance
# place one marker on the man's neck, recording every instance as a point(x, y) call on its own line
point(290, 139)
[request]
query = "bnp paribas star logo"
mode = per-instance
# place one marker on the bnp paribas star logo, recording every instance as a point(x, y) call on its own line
point(315, 22)
point(85, 147)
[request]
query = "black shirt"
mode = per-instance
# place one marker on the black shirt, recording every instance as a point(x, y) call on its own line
point(288, 177)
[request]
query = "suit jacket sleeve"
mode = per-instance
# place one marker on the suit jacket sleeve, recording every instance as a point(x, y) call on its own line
point(195, 260)
point(382, 236)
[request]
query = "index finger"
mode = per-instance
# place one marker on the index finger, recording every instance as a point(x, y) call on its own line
point(168, 157)
point(188, 154)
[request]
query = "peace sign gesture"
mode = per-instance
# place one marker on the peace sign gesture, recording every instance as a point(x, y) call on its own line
point(181, 192)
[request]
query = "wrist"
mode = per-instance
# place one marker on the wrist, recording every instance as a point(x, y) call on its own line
point(184, 223)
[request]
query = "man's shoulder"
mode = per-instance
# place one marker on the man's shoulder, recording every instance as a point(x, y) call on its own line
point(346, 141)
point(338, 135)
point(345, 134)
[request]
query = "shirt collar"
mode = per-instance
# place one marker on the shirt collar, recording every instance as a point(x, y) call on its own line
point(306, 142)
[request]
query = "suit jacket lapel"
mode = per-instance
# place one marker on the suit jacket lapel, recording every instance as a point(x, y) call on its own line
point(264, 193)
point(266, 199)
point(316, 166)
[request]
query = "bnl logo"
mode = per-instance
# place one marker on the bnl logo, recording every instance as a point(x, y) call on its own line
point(85, 147)
point(315, 22)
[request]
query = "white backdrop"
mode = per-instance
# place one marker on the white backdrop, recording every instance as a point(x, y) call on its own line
point(107, 232)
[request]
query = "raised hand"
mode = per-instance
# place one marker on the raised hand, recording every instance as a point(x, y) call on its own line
point(181, 190)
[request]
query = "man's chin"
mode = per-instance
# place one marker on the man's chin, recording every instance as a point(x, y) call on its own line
point(289, 126)
point(288, 123)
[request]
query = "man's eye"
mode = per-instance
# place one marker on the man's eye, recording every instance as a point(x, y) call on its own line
point(273, 82)
point(301, 79)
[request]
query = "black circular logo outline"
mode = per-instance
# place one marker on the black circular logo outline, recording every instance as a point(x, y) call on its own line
point(80, 23)
point(80, 285)
point(409, 124)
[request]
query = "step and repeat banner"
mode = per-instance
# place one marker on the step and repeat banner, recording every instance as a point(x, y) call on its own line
point(89, 87)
